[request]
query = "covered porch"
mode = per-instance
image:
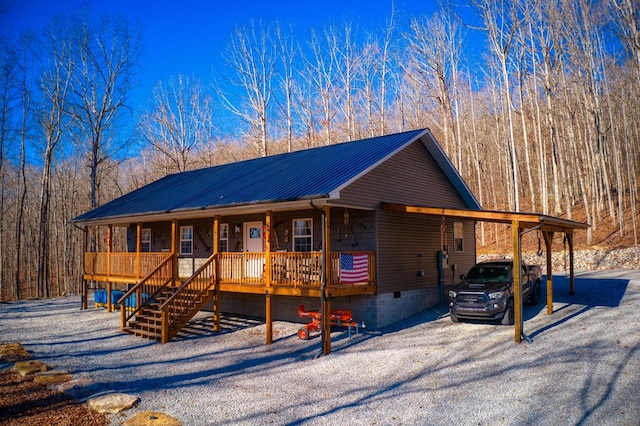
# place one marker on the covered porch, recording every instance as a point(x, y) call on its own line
point(145, 276)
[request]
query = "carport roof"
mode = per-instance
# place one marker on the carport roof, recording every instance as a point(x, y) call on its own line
point(547, 225)
point(525, 220)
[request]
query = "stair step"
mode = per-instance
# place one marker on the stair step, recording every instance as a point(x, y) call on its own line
point(144, 333)
point(146, 325)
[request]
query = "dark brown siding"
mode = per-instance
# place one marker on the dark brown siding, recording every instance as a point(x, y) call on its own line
point(408, 243)
point(410, 177)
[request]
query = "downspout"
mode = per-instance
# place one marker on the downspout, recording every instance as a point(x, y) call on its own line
point(323, 280)
point(519, 266)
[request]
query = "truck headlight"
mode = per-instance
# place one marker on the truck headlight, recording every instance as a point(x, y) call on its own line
point(496, 295)
point(452, 294)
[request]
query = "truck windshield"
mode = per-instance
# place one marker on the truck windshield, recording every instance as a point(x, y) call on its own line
point(489, 274)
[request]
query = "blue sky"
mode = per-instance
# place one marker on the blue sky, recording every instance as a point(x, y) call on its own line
point(188, 36)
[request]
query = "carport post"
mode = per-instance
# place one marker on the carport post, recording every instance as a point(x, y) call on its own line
point(517, 294)
point(572, 290)
point(548, 238)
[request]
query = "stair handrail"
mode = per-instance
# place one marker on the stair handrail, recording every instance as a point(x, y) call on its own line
point(169, 316)
point(122, 301)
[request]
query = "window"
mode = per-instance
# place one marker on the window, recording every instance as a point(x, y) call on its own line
point(302, 235)
point(224, 237)
point(145, 240)
point(186, 240)
point(458, 237)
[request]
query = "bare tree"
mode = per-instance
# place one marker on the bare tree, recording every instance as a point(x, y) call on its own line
point(436, 45)
point(287, 49)
point(348, 59)
point(179, 124)
point(251, 57)
point(53, 121)
point(8, 95)
point(502, 23)
point(106, 52)
point(320, 71)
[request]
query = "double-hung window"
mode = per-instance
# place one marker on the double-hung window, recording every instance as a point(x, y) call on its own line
point(145, 240)
point(224, 237)
point(458, 237)
point(302, 235)
point(186, 240)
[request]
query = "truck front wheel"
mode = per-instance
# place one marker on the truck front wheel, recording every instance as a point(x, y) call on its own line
point(508, 318)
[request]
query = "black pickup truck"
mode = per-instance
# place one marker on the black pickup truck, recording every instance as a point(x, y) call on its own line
point(486, 292)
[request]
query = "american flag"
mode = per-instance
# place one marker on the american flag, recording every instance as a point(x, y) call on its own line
point(353, 268)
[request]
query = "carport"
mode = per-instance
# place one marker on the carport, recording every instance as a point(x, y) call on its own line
point(521, 223)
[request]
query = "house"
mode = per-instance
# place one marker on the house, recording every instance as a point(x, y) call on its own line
point(263, 236)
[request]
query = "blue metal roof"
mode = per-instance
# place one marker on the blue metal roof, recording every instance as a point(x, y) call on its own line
point(300, 175)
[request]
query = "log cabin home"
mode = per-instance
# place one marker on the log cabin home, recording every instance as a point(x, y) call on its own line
point(263, 236)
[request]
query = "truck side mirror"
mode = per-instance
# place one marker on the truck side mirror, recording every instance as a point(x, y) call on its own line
point(462, 277)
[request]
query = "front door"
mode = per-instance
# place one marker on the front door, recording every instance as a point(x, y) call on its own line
point(253, 240)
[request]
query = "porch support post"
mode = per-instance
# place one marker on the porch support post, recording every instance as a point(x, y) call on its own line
point(548, 238)
point(326, 277)
point(267, 279)
point(109, 286)
point(517, 291)
point(85, 283)
point(572, 290)
point(138, 250)
point(216, 273)
point(174, 249)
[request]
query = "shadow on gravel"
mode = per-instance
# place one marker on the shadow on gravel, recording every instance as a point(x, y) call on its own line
point(590, 292)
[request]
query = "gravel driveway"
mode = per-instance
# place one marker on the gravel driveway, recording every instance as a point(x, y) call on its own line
point(582, 368)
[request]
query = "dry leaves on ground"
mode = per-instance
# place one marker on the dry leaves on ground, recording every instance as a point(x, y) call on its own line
point(23, 402)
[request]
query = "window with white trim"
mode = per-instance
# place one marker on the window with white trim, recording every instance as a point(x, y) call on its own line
point(458, 237)
point(224, 237)
point(145, 240)
point(186, 240)
point(302, 235)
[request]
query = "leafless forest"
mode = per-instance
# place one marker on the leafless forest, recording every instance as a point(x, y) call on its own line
point(537, 103)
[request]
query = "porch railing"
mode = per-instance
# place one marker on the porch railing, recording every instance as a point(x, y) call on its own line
point(296, 269)
point(291, 269)
point(125, 265)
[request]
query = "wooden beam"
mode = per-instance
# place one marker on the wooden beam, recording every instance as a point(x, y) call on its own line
point(525, 220)
point(109, 248)
point(267, 272)
point(517, 293)
point(326, 308)
point(548, 239)
point(138, 250)
point(174, 248)
point(327, 245)
point(216, 274)
point(572, 289)
point(85, 283)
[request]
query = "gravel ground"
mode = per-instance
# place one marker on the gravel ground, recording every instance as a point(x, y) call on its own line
point(582, 367)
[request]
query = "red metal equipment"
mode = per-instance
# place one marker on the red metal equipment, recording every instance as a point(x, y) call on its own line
point(341, 317)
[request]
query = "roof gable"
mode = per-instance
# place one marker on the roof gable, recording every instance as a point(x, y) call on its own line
point(307, 174)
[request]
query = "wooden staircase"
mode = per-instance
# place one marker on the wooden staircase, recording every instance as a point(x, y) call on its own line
point(148, 322)
point(166, 308)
